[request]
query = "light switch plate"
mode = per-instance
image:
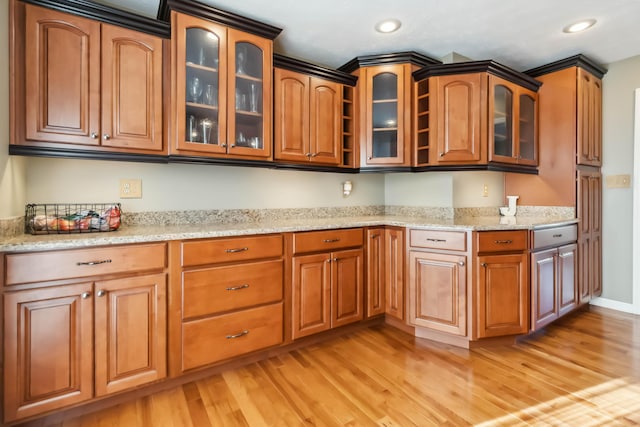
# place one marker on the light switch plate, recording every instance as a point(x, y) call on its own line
point(130, 188)
point(618, 181)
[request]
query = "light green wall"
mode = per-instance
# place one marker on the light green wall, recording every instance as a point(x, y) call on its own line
point(12, 176)
point(619, 85)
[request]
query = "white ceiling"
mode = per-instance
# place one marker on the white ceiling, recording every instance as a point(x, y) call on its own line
point(520, 34)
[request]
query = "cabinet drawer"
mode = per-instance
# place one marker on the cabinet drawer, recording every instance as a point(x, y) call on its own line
point(556, 236)
point(69, 264)
point(230, 250)
point(217, 338)
point(502, 241)
point(328, 240)
point(232, 287)
point(437, 239)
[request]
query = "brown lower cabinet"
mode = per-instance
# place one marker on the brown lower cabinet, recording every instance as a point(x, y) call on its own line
point(385, 272)
point(65, 344)
point(327, 280)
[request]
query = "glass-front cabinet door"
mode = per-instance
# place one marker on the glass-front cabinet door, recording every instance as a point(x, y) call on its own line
point(502, 123)
point(221, 90)
point(385, 126)
point(527, 137)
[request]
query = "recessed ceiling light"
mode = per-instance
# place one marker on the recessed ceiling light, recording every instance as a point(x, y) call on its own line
point(579, 26)
point(388, 26)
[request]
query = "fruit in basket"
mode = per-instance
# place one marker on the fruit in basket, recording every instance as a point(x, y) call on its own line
point(112, 216)
point(66, 224)
point(44, 222)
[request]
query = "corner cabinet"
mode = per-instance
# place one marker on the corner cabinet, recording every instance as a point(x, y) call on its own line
point(81, 85)
point(221, 90)
point(478, 113)
point(385, 255)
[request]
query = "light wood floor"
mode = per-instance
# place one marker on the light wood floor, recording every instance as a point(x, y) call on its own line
point(581, 371)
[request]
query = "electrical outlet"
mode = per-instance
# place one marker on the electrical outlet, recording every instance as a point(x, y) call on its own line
point(485, 190)
point(618, 181)
point(131, 189)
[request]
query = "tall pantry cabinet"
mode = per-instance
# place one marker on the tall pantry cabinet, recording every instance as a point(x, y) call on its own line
point(570, 138)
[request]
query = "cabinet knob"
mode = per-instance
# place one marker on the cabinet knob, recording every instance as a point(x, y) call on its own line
point(85, 295)
point(223, 145)
point(308, 155)
point(461, 263)
point(94, 135)
point(106, 136)
point(484, 264)
point(314, 154)
point(369, 158)
point(101, 293)
point(441, 154)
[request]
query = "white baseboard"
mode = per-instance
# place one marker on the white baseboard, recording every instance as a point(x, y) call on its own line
point(615, 305)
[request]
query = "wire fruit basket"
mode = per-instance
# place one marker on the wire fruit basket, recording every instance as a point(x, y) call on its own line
point(63, 218)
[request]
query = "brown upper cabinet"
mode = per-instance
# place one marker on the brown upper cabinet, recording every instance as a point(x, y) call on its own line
point(78, 84)
point(589, 126)
point(308, 112)
point(221, 90)
point(384, 93)
point(475, 113)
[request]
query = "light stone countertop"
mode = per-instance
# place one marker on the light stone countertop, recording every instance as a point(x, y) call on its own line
point(155, 233)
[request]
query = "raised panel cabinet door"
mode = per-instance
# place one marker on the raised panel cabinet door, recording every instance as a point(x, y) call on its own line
point(589, 135)
point(437, 292)
point(394, 272)
point(48, 349)
point(249, 95)
point(131, 89)
point(311, 294)
point(62, 77)
point(502, 295)
point(544, 288)
point(291, 114)
point(130, 332)
point(567, 278)
point(198, 62)
point(458, 114)
point(347, 287)
point(325, 121)
point(375, 277)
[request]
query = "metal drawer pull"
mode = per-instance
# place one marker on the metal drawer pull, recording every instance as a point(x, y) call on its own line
point(236, 250)
point(484, 264)
point(331, 240)
point(237, 288)
point(104, 261)
point(461, 263)
point(101, 293)
point(437, 240)
point(503, 241)
point(557, 235)
point(241, 334)
point(85, 295)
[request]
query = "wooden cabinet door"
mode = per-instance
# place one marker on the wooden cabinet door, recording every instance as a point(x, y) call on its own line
point(595, 194)
point(62, 77)
point(291, 114)
point(311, 294)
point(589, 234)
point(375, 275)
point(589, 126)
point(387, 125)
point(394, 272)
point(437, 292)
point(346, 287)
point(130, 332)
point(131, 89)
point(544, 288)
point(502, 295)
point(459, 114)
point(48, 349)
point(567, 278)
point(249, 127)
point(325, 121)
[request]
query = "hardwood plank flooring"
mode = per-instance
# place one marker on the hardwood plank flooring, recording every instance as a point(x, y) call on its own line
point(583, 370)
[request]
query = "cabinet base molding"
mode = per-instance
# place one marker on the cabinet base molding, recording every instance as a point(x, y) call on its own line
point(399, 324)
point(463, 342)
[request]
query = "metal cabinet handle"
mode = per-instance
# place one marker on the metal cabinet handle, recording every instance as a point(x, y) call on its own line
point(500, 242)
point(232, 145)
point(85, 295)
point(238, 335)
point(461, 263)
point(331, 240)
point(369, 158)
point(484, 264)
point(336, 259)
point(437, 240)
point(236, 250)
point(314, 154)
point(441, 154)
point(93, 135)
point(101, 293)
point(104, 261)
point(237, 288)
point(223, 145)
point(106, 136)
point(375, 236)
point(557, 236)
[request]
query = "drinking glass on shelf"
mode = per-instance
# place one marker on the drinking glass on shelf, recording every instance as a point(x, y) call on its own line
point(241, 100)
point(254, 96)
point(211, 95)
point(192, 131)
point(195, 89)
point(206, 125)
point(241, 59)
